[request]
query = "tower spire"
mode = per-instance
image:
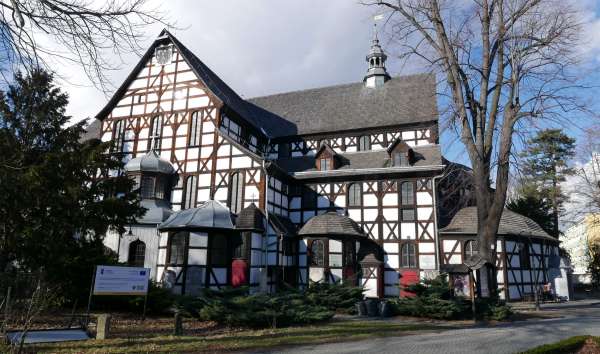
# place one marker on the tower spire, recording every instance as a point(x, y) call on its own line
point(376, 75)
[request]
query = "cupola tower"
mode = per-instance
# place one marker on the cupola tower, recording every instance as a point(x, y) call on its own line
point(376, 74)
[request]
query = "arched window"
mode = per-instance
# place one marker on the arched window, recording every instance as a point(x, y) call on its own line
point(471, 248)
point(177, 246)
point(408, 194)
point(195, 129)
point(409, 256)
point(118, 135)
point(137, 253)
point(364, 143)
point(317, 253)
point(355, 195)
point(235, 199)
point(190, 189)
point(155, 133)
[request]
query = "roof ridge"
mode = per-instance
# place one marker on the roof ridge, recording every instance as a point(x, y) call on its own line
point(331, 86)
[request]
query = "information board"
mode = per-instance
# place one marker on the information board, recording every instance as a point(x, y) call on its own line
point(114, 280)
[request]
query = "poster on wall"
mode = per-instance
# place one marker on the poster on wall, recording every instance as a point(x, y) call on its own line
point(461, 285)
point(114, 280)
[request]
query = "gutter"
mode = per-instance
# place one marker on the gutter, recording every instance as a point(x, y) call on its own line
point(359, 171)
point(435, 224)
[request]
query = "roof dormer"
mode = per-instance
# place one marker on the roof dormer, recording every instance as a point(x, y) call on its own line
point(326, 158)
point(401, 154)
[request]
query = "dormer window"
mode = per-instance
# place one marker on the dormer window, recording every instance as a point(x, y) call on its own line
point(400, 159)
point(325, 158)
point(401, 154)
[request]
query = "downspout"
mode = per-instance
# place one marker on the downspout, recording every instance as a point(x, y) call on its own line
point(266, 191)
point(435, 223)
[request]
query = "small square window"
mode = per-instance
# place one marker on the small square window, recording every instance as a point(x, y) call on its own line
point(325, 164)
point(408, 215)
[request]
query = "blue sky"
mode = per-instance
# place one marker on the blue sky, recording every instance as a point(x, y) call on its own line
point(262, 47)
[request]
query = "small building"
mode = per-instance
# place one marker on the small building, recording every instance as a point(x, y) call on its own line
point(527, 257)
point(577, 240)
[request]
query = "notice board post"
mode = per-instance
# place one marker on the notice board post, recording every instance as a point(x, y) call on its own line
point(118, 280)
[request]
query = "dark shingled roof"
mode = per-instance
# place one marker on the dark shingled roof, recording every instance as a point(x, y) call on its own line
point(251, 219)
point(426, 155)
point(511, 223)
point(401, 100)
point(331, 224)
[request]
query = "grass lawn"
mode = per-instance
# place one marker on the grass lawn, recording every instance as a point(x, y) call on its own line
point(583, 344)
point(241, 340)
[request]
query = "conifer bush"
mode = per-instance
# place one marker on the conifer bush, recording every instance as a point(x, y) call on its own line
point(336, 297)
point(237, 308)
point(433, 299)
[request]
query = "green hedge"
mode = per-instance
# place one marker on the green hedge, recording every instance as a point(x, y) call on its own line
point(238, 308)
point(567, 346)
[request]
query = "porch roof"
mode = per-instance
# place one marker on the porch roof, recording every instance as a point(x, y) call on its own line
point(331, 224)
point(211, 215)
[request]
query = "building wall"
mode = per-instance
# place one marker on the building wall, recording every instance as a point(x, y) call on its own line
point(577, 241)
point(145, 233)
point(378, 140)
point(515, 279)
point(380, 216)
point(172, 95)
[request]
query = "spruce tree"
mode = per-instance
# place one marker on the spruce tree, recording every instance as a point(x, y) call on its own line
point(545, 165)
point(56, 199)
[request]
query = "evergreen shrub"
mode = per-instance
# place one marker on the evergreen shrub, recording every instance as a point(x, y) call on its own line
point(433, 299)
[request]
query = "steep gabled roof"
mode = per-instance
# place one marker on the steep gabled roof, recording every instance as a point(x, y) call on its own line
point(265, 122)
point(401, 100)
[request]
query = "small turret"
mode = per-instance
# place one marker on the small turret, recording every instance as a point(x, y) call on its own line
point(376, 75)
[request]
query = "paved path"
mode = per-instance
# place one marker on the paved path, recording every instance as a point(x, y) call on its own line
point(581, 317)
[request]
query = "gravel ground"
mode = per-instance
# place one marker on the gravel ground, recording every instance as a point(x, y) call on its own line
point(576, 318)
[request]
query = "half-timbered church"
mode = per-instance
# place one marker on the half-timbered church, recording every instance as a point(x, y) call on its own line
point(333, 184)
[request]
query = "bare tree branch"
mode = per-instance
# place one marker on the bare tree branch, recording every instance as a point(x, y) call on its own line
point(45, 33)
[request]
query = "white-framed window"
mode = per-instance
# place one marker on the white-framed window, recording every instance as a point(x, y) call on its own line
point(190, 190)
point(154, 136)
point(118, 135)
point(409, 256)
point(355, 195)
point(195, 129)
point(364, 143)
point(407, 193)
point(236, 187)
point(400, 159)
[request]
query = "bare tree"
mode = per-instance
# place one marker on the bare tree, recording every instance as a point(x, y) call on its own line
point(584, 186)
point(46, 33)
point(504, 63)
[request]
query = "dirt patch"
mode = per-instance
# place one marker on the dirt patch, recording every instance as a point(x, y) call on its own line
point(590, 347)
